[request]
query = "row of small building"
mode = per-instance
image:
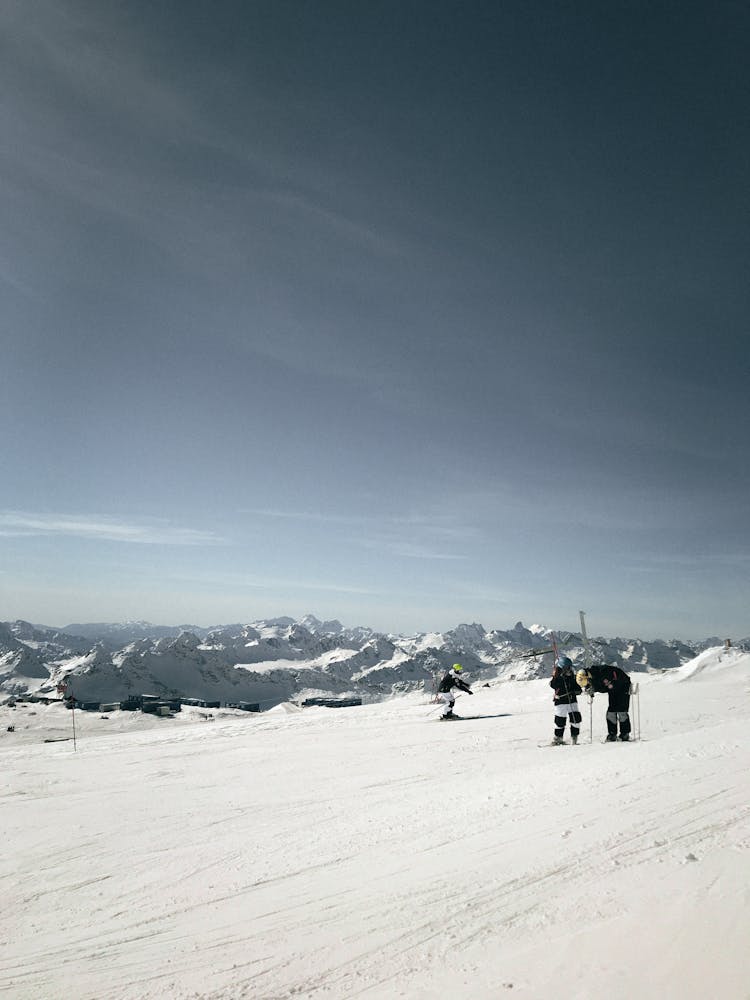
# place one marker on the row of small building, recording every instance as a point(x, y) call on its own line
point(154, 704)
point(159, 705)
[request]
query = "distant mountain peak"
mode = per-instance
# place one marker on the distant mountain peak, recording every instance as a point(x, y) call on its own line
point(274, 659)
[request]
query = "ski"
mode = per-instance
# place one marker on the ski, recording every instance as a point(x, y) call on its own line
point(561, 743)
point(554, 648)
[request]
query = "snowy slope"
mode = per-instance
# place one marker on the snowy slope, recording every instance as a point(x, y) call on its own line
point(376, 852)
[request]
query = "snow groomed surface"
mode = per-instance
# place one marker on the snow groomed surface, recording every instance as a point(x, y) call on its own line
point(363, 852)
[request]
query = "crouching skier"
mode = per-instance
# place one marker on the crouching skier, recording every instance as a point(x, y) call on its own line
point(451, 680)
point(566, 690)
point(615, 682)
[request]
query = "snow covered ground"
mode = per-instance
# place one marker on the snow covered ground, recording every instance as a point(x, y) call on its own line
point(377, 852)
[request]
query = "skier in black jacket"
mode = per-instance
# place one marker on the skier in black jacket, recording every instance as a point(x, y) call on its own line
point(566, 691)
point(451, 680)
point(611, 680)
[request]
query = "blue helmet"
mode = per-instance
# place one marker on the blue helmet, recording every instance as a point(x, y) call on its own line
point(565, 663)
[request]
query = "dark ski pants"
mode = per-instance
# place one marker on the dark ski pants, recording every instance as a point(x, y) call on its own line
point(563, 712)
point(618, 712)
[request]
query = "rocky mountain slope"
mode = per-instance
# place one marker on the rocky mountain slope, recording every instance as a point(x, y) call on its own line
point(268, 662)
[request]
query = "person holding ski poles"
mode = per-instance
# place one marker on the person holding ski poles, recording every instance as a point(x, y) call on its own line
point(566, 690)
point(446, 687)
point(615, 682)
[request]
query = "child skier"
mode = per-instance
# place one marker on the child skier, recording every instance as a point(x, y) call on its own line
point(451, 680)
point(566, 691)
point(611, 680)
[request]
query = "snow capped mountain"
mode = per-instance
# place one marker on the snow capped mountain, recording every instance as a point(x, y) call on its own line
point(117, 634)
point(275, 660)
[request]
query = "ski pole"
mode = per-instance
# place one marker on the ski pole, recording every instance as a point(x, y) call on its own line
point(639, 713)
point(635, 712)
point(637, 707)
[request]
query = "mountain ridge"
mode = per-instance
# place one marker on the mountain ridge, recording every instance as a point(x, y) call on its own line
point(280, 659)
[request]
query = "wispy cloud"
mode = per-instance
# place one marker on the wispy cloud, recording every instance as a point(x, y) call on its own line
point(307, 515)
point(96, 64)
point(405, 549)
point(271, 584)
point(15, 523)
point(354, 231)
point(435, 522)
point(686, 562)
point(92, 56)
point(422, 535)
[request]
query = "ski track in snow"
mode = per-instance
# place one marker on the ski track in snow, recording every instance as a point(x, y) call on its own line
point(368, 852)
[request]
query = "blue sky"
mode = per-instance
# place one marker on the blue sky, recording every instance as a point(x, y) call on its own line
point(406, 313)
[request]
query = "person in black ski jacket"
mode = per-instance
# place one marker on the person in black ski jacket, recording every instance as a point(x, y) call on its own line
point(606, 679)
point(446, 687)
point(566, 690)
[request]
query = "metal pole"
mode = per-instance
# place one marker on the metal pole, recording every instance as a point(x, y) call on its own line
point(586, 646)
point(65, 690)
point(636, 698)
point(587, 664)
point(639, 713)
point(638, 710)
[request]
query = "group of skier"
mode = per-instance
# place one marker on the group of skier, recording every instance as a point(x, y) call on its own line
point(601, 678)
point(567, 685)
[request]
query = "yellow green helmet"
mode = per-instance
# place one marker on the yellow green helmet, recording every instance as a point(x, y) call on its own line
point(583, 679)
point(457, 667)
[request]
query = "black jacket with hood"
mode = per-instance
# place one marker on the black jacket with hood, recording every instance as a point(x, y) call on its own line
point(565, 686)
point(452, 680)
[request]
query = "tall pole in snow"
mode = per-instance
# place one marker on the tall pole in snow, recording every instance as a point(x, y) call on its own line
point(587, 664)
point(65, 690)
point(586, 647)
